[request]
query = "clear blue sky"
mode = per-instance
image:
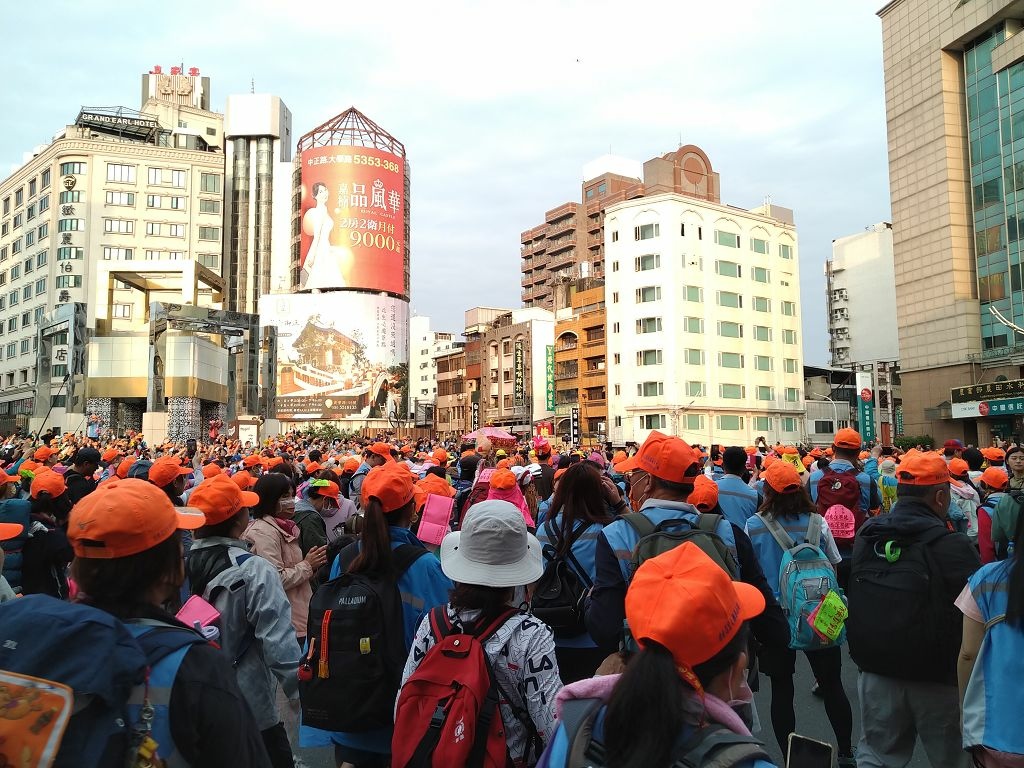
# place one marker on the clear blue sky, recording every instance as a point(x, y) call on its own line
point(501, 106)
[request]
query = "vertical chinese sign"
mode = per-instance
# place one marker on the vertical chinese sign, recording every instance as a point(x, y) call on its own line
point(865, 406)
point(549, 375)
point(519, 373)
point(574, 427)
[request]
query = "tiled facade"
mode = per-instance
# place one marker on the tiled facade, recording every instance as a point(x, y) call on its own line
point(581, 376)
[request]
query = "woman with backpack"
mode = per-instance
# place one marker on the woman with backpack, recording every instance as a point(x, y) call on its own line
point(991, 661)
point(1007, 511)
point(569, 535)
point(275, 537)
point(684, 691)
point(992, 486)
point(387, 552)
point(491, 560)
point(47, 552)
point(787, 504)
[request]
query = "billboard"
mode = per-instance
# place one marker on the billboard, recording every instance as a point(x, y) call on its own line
point(353, 213)
point(339, 355)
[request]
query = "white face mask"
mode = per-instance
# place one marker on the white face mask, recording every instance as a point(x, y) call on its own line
point(519, 598)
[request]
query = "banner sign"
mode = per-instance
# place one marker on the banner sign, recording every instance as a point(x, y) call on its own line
point(549, 375)
point(519, 373)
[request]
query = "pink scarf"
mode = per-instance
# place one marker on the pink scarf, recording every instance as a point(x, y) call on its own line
point(288, 526)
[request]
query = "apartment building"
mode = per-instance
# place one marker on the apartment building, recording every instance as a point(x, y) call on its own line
point(580, 373)
point(425, 346)
point(454, 393)
point(702, 305)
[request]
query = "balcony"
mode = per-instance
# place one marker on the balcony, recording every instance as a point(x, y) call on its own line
point(557, 246)
point(595, 372)
point(594, 341)
point(566, 346)
point(561, 211)
point(565, 375)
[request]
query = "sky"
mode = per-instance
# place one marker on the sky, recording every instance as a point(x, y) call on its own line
point(501, 105)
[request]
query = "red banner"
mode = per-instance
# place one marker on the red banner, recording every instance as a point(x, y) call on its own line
point(353, 220)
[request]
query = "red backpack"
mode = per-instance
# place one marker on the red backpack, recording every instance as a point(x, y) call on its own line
point(843, 489)
point(448, 714)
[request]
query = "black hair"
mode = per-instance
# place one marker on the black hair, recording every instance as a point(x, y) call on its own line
point(224, 529)
point(437, 470)
point(579, 496)
point(490, 601)
point(789, 505)
point(734, 462)
point(677, 489)
point(973, 458)
point(907, 491)
point(316, 186)
point(58, 507)
point(120, 585)
point(314, 455)
point(270, 487)
point(646, 712)
point(375, 549)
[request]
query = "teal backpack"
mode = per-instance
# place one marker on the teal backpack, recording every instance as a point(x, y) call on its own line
point(805, 577)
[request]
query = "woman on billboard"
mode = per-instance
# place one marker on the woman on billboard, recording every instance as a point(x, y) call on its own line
point(324, 262)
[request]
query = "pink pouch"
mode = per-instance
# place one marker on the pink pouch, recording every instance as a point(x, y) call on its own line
point(434, 522)
point(197, 611)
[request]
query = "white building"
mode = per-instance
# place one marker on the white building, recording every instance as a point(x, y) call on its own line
point(861, 298)
point(257, 198)
point(703, 321)
point(424, 346)
point(513, 355)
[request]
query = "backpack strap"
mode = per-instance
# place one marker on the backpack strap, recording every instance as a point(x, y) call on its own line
point(640, 523)
point(708, 521)
point(159, 641)
point(404, 555)
point(347, 556)
point(995, 620)
point(552, 551)
point(577, 719)
point(718, 747)
point(781, 536)
point(813, 535)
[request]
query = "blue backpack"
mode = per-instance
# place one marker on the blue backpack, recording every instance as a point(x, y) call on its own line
point(121, 676)
point(805, 577)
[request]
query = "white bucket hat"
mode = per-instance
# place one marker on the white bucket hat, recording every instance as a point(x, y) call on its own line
point(493, 549)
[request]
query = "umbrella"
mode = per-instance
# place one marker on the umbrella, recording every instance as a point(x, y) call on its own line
point(491, 433)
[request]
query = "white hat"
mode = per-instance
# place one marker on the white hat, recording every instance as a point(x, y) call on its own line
point(493, 549)
point(523, 475)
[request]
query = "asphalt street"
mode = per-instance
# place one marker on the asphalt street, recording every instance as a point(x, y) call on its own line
point(810, 717)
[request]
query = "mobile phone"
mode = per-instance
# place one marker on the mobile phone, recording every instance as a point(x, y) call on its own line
point(190, 445)
point(804, 752)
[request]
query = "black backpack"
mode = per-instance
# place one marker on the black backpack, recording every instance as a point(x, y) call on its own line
point(560, 591)
point(349, 677)
point(899, 625)
point(714, 745)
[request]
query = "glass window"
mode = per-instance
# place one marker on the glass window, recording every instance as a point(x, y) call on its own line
point(765, 393)
point(120, 198)
point(44, 180)
point(762, 363)
point(44, 231)
point(730, 330)
point(693, 293)
point(762, 333)
point(154, 228)
point(44, 203)
point(650, 388)
point(74, 196)
point(69, 281)
point(647, 261)
point(178, 230)
point(646, 231)
point(119, 226)
point(65, 254)
point(762, 304)
point(789, 365)
point(209, 182)
point(788, 424)
point(177, 203)
point(695, 388)
point(653, 421)
point(16, 247)
point(30, 212)
point(728, 268)
point(26, 292)
point(729, 423)
point(762, 424)
point(648, 325)
point(789, 308)
point(154, 201)
point(213, 233)
point(730, 360)
point(70, 225)
point(40, 286)
point(761, 275)
point(758, 246)
point(121, 173)
point(694, 356)
point(727, 239)
point(693, 324)
point(788, 336)
point(41, 258)
point(643, 295)
point(695, 422)
point(792, 395)
point(648, 357)
point(178, 179)
point(731, 391)
point(730, 299)
point(155, 176)
point(785, 251)
point(72, 169)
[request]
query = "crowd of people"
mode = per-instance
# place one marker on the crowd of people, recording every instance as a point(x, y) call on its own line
point(493, 602)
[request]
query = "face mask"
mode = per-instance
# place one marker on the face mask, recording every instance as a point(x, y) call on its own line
point(742, 703)
point(518, 599)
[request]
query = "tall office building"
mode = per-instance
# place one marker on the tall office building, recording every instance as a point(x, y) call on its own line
point(257, 198)
point(702, 305)
point(954, 74)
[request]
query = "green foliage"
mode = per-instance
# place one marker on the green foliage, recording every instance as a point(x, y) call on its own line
point(912, 441)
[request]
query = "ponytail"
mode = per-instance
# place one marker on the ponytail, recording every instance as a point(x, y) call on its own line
point(375, 546)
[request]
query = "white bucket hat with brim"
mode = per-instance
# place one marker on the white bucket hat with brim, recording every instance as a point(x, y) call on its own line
point(493, 549)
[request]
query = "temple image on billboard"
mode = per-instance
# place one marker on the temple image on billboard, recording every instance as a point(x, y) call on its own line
point(352, 208)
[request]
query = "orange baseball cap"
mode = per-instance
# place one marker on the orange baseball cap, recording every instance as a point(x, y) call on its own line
point(5, 478)
point(995, 478)
point(251, 460)
point(382, 449)
point(243, 480)
point(560, 472)
point(392, 484)
point(686, 602)
point(503, 464)
point(808, 460)
point(165, 470)
point(125, 517)
point(503, 479)
point(619, 457)
point(110, 454)
point(325, 488)
point(783, 477)
point(124, 466)
point(705, 494)
point(220, 499)
point(440, 455)
point(211, 470)
point(847, 438)
point(406, 450)
point(43, 453)
point(313, 467)
point(10, 530)
point(274, 461)
point(48, 481)
point(923, 469)
point(667, 458)
point(789, 449)
point(865, 455)
point(351, 465)
point(993, 454)
point(958, 467)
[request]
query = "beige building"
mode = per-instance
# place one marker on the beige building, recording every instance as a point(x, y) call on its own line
point(954, 73)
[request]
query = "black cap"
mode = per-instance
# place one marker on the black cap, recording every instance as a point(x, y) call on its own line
point(87, 454)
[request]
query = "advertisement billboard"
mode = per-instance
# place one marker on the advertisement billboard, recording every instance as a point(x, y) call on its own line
point(352, 215)
point(339, 356)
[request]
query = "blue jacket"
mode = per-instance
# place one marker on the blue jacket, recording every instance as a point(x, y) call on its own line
point(422, 587)
point(15, 511)
point(737, 499)
point(584, 549)
point(991, 711)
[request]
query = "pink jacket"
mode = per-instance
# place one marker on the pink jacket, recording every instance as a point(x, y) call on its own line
point(272, 543)
point(514, 496)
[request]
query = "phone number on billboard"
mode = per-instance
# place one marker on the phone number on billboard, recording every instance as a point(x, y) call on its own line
point(376, 162)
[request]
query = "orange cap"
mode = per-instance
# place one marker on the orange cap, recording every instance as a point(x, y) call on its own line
point(5, 478)
point(406, 450)
point(351, 465)
point(995, 478)
point(43, 453)
point(440, 455)
point(124, 466)
point(243, 480)
point(789, 449)
point(109, 455)
point(864, 455)
point(274, 461)
point(48, 481)
point(782, 477)
point(993, 454)
point(219, 499)
point(503, 479)
point(686, 602)
point(807, 460)
point(165, 470)
point(391, 484)
point(704, 495)
point(750, 450)
point(667, 458)
point(560, 472)
point(958, 467)
point(251, 460)
point(503, 464)
point(313, 467)
point(923, 469)
point(382, 449)
point(125, 517)
point(619, 456)
point(325, 488)
point(847, 438)
point(10, 530)
point(211, 470)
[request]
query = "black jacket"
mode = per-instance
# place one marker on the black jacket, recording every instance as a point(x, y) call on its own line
point(78, 485)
